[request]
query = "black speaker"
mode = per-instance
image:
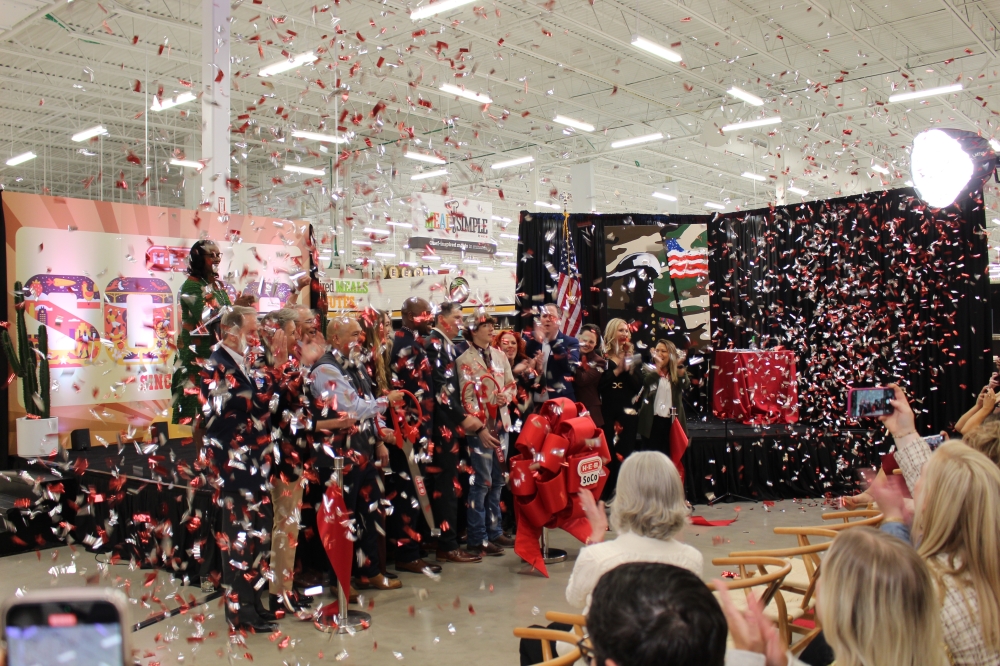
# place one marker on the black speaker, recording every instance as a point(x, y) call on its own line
point(80, 439)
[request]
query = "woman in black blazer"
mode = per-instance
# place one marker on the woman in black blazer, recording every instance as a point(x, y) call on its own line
point(619, 386)
point(671, 378)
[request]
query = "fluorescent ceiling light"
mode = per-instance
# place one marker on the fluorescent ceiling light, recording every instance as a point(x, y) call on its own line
point(171, 102)
point(485, 268)
point(448, 266)
point(576, 124)
point(996, 220)
point(430, 258)
point(745, 96)
point(514, 162)
point(929, 92)
point(646, 138)
point(383, 232)
point(752, 123)
point(503, 254)
point(20, 159)
point(656, 49)
point(89, 133)
point(385, 254)
point(711, 204)
point(664, 196)
point(500, 219)
point(470, 261)
point(995, 145)
point(191, 164)
point(287, 64)
point(799, 191)
point(316, 136)
point(880, 169)
point(361, 242)
point(422, 157)
point(305, 170)
point(508, 263)
point(467, 94)
point(429, 174)
point(510, 236)
point(545, 204)
point(754, 176)
point(399, 224)
point(437, 8)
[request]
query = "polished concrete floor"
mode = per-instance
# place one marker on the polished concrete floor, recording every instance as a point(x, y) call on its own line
point(464, 616)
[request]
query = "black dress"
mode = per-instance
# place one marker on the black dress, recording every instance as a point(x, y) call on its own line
point(621, 418)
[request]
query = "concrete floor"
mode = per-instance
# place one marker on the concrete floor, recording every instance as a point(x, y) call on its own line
point(464, 616)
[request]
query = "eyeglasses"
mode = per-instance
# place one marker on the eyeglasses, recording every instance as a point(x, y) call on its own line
point(587, 651)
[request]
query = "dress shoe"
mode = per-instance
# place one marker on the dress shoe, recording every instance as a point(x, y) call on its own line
point(457, 556)
point(503, 541)
point(488, 548)
point(418, 567)
point(378, 582)
point(290, 602)
point(254, 624)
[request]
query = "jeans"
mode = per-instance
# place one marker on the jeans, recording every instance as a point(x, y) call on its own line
point(484, 493)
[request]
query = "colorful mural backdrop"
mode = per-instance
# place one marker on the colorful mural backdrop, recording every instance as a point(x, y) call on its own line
point(103, 278)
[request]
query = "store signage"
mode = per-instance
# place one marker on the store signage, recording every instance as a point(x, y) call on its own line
point(451, 225)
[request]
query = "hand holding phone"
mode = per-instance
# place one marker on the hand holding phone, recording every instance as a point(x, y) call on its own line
point(869, 402)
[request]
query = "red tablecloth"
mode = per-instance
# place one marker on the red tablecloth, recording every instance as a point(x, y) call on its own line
point(759, 387)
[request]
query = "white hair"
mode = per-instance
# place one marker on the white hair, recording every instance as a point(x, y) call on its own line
point(649, 499)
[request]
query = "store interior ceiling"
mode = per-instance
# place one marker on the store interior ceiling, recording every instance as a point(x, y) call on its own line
point(826, 69)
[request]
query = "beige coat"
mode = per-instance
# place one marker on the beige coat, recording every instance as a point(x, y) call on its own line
point(472, 368)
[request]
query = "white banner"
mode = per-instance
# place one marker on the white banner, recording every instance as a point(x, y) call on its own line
point(450, 225)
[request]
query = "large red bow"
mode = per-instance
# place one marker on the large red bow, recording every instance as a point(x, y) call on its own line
point(569, 455)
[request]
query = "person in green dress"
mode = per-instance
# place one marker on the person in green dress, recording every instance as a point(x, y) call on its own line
point(202, 296)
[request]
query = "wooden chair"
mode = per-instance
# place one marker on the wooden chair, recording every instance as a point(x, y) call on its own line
point(800, 586)
point(770, 574)
point(579, 622)
point(871, 517)
point(803, 533)
point(547, 635)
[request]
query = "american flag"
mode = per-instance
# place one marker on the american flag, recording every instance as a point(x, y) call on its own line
point(568, 290)
point(686, 263)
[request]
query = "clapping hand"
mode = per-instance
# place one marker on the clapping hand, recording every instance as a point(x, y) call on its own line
point(595, 515)
point(751, 630)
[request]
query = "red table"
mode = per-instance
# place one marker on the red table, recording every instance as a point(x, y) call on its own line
point(755, 387)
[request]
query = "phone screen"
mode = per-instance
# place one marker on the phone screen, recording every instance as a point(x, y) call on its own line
point(83, 633)
point(870, 402)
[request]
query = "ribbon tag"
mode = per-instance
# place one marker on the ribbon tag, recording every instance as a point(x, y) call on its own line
point(589, 471)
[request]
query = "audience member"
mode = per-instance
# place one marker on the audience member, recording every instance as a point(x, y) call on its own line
point(556, 357)
point(648, 513)
point(589, 373)
point(665, 383)
point(619, 389)
point(986, 440)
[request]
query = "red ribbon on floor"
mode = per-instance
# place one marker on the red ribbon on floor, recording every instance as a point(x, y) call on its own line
point(569, 456)
point(333, 522)
point(698, 520)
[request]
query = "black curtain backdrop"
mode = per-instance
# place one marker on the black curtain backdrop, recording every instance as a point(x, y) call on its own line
point(866, 290)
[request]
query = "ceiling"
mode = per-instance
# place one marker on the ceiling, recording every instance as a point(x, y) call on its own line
point(826, 68)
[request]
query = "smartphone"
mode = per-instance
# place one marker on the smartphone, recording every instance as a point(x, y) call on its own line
point(934, 441)
point(869, 402)
point(84, 626)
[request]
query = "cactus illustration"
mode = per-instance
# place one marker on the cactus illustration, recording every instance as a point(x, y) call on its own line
point(29, 363)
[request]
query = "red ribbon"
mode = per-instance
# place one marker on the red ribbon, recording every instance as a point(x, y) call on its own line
point(399, 425)
point(571, 457)
point(333, 523)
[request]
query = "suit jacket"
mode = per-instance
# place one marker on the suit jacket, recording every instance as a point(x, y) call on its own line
point(564, 357)
point(650, 381)
point(234, 422)
point(411, 371)
point(448, 410)
point(472, 367)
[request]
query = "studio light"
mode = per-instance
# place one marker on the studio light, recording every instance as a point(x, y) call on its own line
point(745, 96)
point(423, 157)
point(656, 49)
point(575, 124)
point(89, 133)
point(437, 8)
point(752, 123)
point(799, 191)
point(287, 64)
point(929, 92)
point(636, 140)
point(754, 176)
point(514, 162)
point(664, 196)
point(171, 102)
point(21, 159)
point(305, 170)
point(316, 136)
point(467, 94)
point(946, 163)
point(429, 174)
point(191, 164)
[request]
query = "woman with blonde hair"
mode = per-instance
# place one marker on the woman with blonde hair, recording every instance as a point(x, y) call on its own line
point(618, 388)
point(956, 529)
point(648, 513)
point(876, 601)
point(662, 397)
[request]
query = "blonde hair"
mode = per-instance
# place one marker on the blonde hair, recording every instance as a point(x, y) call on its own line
point(957, 525)
point(649, 499)
point(986, 440)
point(877, 602)
point(611, 336)
point(672, 360)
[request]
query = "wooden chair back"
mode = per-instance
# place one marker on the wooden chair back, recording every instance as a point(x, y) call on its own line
point(802, 534)
point(810, 558)
point(579, 622)
point(548, 636)
point(770, 573)
point(863, 516)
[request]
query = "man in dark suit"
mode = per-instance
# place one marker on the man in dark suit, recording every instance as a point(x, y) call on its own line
point(236, 434)
point(410, 372)
point(556, 356)
point(451, 426)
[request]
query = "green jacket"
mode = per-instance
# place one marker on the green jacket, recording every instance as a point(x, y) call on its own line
point(650, 379)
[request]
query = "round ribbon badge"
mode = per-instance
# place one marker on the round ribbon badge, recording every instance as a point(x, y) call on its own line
point(589, 471)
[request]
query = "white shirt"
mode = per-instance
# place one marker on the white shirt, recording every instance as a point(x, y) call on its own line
point(239, 358)
point(664, 398)
point(596, 560)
